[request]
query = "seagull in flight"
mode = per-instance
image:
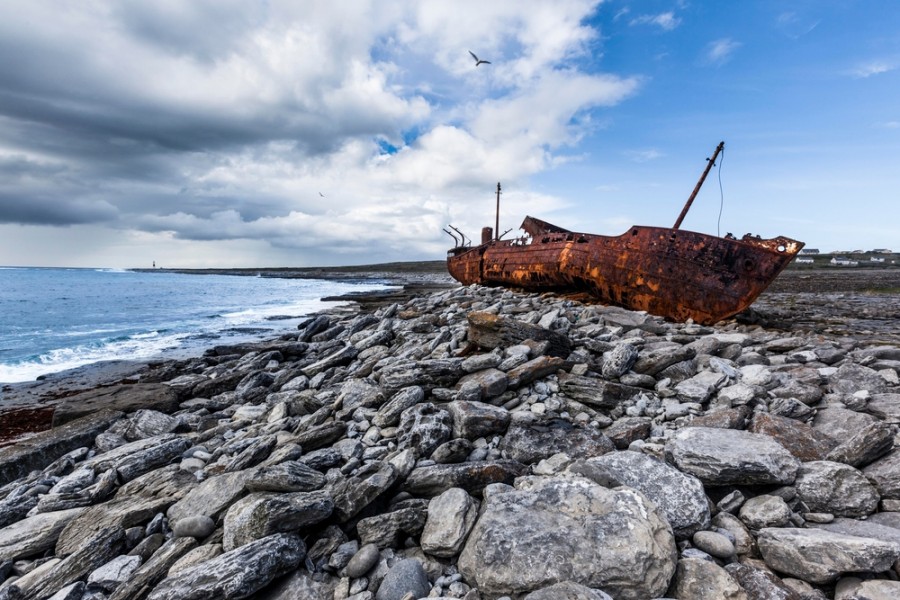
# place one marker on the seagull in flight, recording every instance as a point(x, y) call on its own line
point(478, 61)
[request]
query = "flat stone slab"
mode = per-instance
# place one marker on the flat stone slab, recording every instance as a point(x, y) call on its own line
point(43, 448)
point(126, 398)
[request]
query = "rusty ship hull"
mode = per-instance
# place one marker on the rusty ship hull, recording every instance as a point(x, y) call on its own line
point(672, 273)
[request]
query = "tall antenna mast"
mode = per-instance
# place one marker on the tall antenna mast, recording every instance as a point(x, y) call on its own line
point(497, 222)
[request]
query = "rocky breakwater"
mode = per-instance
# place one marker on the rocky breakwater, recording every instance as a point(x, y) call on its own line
point(478, 444)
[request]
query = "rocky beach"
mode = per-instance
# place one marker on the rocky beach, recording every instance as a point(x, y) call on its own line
point(477, 443)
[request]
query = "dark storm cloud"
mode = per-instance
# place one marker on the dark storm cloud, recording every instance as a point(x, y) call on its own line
point(41, 210)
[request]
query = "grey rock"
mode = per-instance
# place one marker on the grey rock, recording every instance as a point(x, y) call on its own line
point(362, 561)
point(120, 398)
point(451, 516)
point(453, 451)
point(353, 494)
point(679, 496)
point(618, 361)
point(236, 574)
point(533, 370)
point(836, 488)
point(433, 480)
point(729, 457)
point(567, 590)
point(199, 527)
point(387, 529)
point(866, 446)
point(289, 476)
point(148, 423)
point(42, 448)
point(840, 424)
point(765, 511)
point(263, 514)
point(404, 577)
point(744, 543)
point(212, 496)
point(424, 427)
point(703, 580)
point(884, 473)
point(714, 544)
point(759, 583)
point(528, 442)
point(596, 392)
point(389, 413)
point(300, 584)
point(615, 540)
point(483, 384)
point(73, 591)
point(154, 569)
point(885, 406)
point(138, 457)
point(34, 535)
point(852, 378)
point(651, 362)
point(114, 573)
point(193, 556)
point(821, 557)
point(472, 420)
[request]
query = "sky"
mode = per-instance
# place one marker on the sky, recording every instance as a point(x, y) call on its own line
point(269, 133)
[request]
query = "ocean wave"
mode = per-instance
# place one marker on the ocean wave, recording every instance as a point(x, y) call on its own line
point(138, 347)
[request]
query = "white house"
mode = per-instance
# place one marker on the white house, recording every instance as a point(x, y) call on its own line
point(843, 262)
point(804, 261)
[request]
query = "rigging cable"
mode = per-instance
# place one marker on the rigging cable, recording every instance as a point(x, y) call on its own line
point(721, 195)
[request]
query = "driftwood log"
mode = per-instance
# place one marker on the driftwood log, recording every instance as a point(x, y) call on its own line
point(488, 330)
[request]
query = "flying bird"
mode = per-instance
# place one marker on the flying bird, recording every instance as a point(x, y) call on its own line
point(478, 61)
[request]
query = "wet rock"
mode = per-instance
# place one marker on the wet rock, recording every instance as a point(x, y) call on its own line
point(388, 529)
point(114, 573)
point(618, 361)
point(34, 535)
point(626, 430)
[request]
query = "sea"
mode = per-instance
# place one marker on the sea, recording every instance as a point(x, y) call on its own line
point(56, 319)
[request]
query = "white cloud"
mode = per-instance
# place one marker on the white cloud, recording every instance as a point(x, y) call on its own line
point(874, 67)
point(666, 21)
point(644, 155)
point(719, 52)
point(223, 122)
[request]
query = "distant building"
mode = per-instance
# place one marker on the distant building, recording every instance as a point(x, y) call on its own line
point(843, 261)
point(881, 251)
point(809, 251)
point(804, 261)
point(877, 259)
point(857, 252)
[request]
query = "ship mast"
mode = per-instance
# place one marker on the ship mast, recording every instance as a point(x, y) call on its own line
point(497, 220)
point(687, 206)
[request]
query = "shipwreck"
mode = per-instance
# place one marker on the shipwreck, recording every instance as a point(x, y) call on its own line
point(666, 271)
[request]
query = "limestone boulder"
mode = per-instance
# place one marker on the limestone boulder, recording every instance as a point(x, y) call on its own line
point(575, 530)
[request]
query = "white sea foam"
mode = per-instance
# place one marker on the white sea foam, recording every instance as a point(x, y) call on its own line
point(137, 347)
